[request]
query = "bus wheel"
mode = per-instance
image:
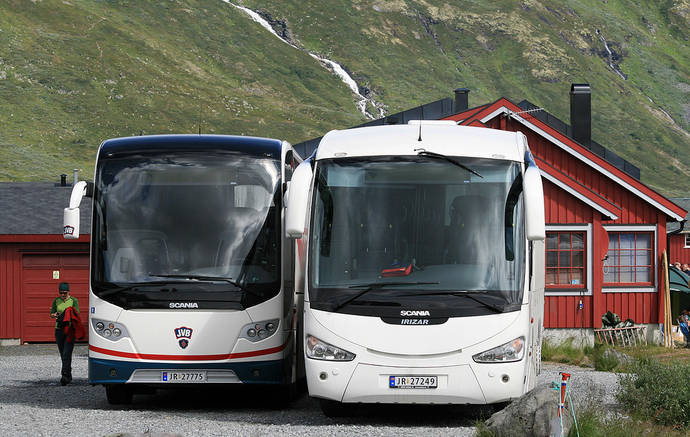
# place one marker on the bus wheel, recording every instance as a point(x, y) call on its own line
point(333, 408)
point(118, 394)
point(285, 394)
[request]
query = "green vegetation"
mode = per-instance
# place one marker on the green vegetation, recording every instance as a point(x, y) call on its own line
point(586, 356)
point(75, 73)
point(592, 423)
point(594, 356)
point(654, 388)
point(658, 392)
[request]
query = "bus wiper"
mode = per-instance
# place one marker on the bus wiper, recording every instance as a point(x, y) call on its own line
point(212, 278)
point(471, 294)
point(131, 286)
point(374, 286)
point(422, 152)
point(135, 285)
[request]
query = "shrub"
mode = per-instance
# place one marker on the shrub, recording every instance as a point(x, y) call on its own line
point(657, 392)
point(603, 361)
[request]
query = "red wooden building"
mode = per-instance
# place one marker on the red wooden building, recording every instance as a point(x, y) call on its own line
point(606, 230)
point(34, 259)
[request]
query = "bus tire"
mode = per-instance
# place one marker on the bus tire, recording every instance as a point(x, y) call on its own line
point(118, 394)
point(334, 408)
point(286, 394)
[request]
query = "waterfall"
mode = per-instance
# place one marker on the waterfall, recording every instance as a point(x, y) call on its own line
point(332, 66)
point(613, 66)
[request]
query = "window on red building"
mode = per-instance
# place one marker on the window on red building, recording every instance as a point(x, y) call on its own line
point(629, 259)
point(687, 240)
point(565, 259)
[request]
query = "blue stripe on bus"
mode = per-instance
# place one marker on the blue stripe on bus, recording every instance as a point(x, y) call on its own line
point(269, 372)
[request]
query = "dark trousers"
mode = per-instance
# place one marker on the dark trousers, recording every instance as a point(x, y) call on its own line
point(65, 348)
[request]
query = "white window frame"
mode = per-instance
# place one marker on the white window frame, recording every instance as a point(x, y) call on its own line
point(633, 289)
point(587, 291)
point(687, 240)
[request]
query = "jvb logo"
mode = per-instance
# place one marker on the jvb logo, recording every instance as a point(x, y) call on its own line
point(183, 335)
point(68, 230)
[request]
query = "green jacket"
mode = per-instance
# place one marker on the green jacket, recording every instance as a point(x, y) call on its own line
point(59, 305)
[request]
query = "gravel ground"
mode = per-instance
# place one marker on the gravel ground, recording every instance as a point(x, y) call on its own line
point(32, 402)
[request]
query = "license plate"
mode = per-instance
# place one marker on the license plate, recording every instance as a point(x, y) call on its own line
point(183, 376)
point(425, 381)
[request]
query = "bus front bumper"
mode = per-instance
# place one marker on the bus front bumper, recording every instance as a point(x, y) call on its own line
point(457, 384)
point(141, 372)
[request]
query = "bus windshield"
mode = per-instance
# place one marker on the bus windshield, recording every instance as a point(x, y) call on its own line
point(417, 232)
point(186, 226)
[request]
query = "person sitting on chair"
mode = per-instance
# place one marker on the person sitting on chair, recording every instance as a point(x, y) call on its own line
point(684, 322)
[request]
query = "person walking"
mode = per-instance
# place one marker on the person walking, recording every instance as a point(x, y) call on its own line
point(63, 337)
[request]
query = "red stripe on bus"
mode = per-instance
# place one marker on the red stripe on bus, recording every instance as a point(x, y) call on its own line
point(230, 356)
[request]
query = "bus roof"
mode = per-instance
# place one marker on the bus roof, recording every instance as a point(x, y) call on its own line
point(253, 145)
point(439, 138)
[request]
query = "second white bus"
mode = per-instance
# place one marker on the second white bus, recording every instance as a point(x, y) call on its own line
point(424, 268)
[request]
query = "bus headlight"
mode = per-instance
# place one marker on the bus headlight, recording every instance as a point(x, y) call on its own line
point(320, 350)
point(259, 330)
point(111, 330)
point(512, 351)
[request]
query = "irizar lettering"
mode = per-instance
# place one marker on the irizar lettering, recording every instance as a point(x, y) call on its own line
point(414, 313)
point(414, 322)
point(184, 305)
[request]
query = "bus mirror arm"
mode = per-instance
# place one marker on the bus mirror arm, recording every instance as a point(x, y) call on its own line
point(70, 229)
point(533, 192)
point(297, 200)
point(286, 193)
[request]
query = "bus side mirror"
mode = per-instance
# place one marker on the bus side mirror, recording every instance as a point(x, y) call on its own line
point(70, 218)
point(298, 199)
point(533, 192)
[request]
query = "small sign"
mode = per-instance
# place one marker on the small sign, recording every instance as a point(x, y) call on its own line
point(56, 274)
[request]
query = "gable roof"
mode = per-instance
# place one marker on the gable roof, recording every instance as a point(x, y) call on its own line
point(504, 106)
point(683, 202)
point(575, 188)
point(37, 208)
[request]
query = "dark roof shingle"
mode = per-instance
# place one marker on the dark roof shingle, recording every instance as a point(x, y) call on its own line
point(37, 208)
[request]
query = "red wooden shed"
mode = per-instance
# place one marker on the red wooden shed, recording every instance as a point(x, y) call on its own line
point(34, 259)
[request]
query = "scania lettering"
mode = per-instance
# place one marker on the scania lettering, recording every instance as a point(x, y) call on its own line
point(192, 279)
point(184, 305)
point(424, 265)
point(415, 313)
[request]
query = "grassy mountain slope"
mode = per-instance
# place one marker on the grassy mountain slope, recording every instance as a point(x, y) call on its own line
point(74, 73)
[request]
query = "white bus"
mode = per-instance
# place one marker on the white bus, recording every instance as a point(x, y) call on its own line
point(192, 278)
point(424, 265)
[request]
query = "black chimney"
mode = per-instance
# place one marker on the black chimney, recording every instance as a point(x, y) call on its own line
point(581, 113)
point(461, 102)
point(63, 180)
